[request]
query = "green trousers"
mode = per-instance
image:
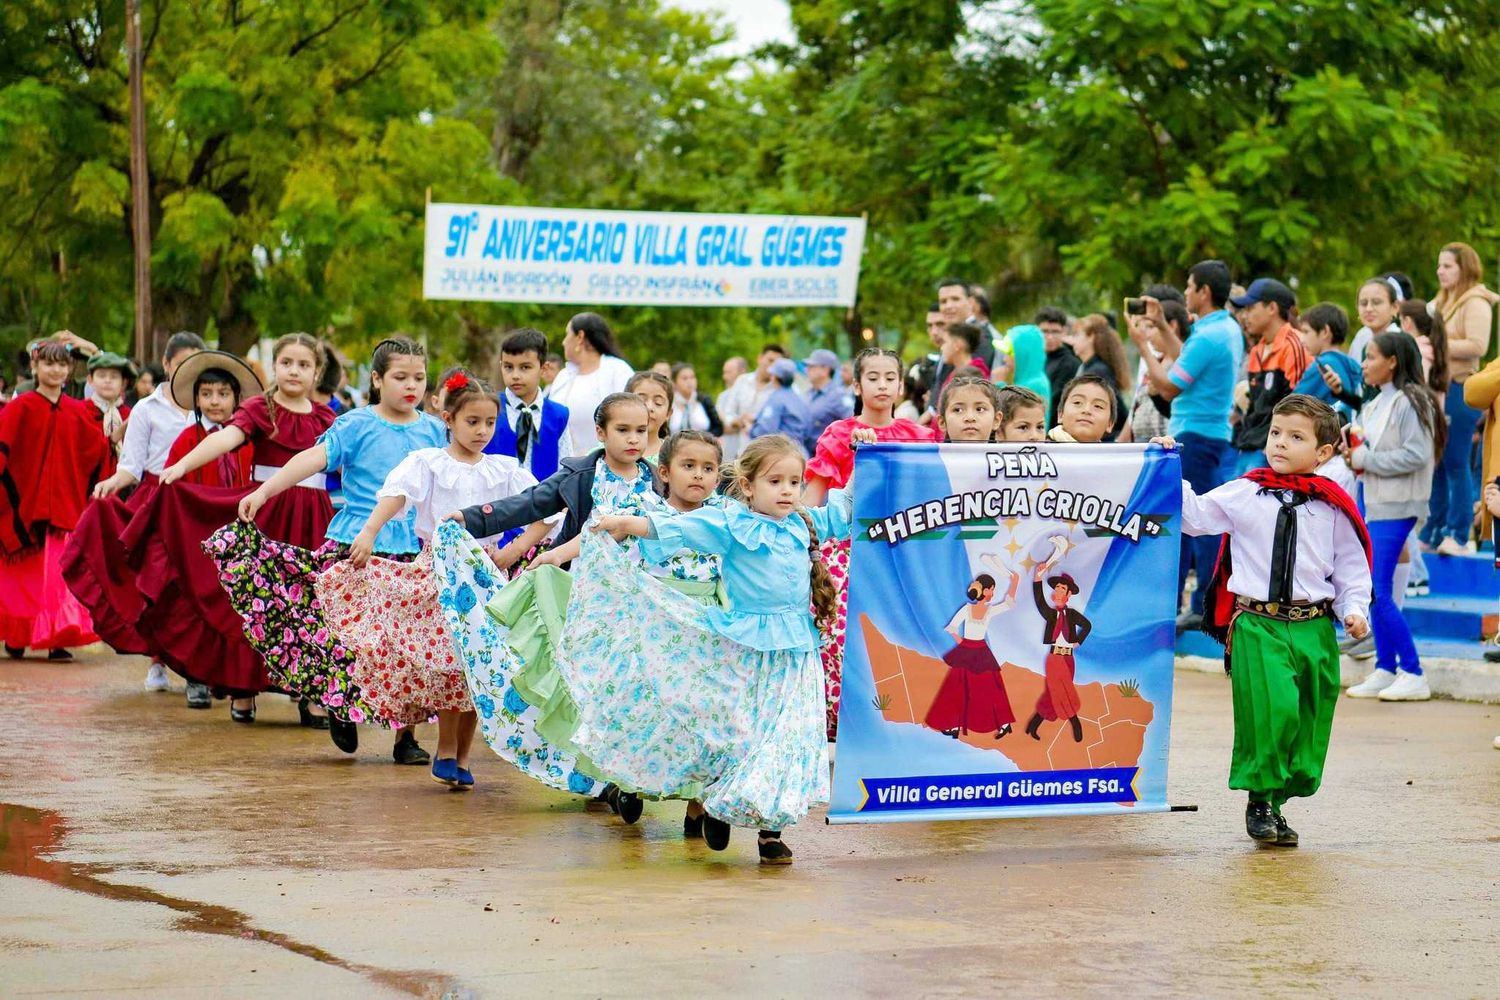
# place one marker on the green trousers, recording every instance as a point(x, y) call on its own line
point(1285, 681)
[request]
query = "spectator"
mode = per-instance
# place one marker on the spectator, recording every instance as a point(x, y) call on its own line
point(1062, 363)
point(595, 370)
point(1421, 322)
point(913, 394)
point(550, 367)
point(979, 315)
point(1482, 391)
point(1277, 363)
point(1197, 377)
point(784, 412)
point(826, 399)
point(953, 301)
point(1468, 312)
point(958, 352)
point(662, 367)
point(151, 376)
point(691, 409)
point(1022, 353)
point(846, 378)
point(741, 402)
point(1149, 410)
point(1377, 303)
point(1100, 352)
point(1332, 376)
point(937, 331)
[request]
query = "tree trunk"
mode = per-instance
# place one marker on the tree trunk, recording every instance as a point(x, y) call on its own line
point(528, 29)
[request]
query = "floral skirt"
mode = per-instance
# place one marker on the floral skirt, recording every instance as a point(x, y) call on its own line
point(666, 702)
point(37, 611)
point(467, 581)
point(835, 555)
point(387, 616)
point(273, 586)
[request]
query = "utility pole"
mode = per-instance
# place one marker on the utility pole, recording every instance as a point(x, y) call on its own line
point(140, 184)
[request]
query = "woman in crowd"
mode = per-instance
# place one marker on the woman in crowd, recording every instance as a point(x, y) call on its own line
point(595, 370)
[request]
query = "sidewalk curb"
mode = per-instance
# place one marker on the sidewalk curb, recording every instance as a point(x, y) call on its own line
point(1460, 680)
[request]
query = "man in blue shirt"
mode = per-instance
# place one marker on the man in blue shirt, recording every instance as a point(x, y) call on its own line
point(1198, 377)
point(827, 400)
point(784, 411)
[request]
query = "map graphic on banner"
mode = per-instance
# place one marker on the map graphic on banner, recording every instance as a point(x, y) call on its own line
point(1004, 585)
point(507, 253)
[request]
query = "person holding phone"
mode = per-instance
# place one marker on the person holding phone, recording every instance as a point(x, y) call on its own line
point(1333, 376)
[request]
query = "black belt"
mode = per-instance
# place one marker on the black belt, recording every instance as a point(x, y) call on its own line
point(1287, 611)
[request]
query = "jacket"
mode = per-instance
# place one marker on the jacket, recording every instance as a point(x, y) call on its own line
point(1482, 391)
point(1468, 322)
point(1276, 366)
point(546, 439)
point(1398, 468)
point(1075, 630)
point(570, 488)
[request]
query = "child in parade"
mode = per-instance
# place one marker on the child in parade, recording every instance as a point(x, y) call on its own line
point(1087, 412)
point(1403, 432)
point(95, 562)
point(386, 613)
point(969, 409)
point(656, 389)
point(1022, 414)
point(1296, 555)
point(739, 690)
point(108, 375)
point(877, 387)
point(204, 636)
point(532, 428)
point(51, 455)
point(274, 584)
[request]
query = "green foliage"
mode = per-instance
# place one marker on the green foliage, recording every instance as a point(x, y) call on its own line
point(1129, 689)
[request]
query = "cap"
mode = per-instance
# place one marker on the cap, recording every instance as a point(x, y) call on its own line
point(201, 361)
point(1265, 290)
point(109, 359)
point(824, 358)
point(785, 371)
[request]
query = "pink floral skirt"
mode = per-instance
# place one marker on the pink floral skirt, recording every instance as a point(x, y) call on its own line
point(835, 555)
point(387, 616)
point(37, 611)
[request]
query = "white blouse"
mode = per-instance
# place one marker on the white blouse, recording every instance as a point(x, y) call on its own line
point(437, 484)
point(582, 394)
point(969, 627)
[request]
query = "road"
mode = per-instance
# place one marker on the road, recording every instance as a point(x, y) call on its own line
point(149, 850)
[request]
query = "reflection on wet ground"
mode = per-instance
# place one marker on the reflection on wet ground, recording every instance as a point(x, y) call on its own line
point(265, 841)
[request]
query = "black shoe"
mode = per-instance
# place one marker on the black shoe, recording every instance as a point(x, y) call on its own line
point(1285, 835)
point(772, 850)
point(950, 732)
point(715, 833)
point(692, 827)
point(14, 652)
point(1260, 822)
point(1492, 655)
point(1002, 732)
point(629, 806)
point(244, 715)
point(306, 717)
point(1077, 729)
point(345, 734)
point(198, 696)
point(1033, 726)
point(59, 656)
point(406, 750)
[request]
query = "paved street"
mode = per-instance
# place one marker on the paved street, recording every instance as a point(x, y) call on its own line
point(148, 850)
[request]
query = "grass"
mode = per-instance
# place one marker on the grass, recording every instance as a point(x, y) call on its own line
point(1129, 689)
point(881, 702)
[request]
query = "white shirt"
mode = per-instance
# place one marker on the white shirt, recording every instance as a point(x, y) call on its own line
point(155, 422)
point(513, 408)
point(1330, 563)
point(966, 625)
point(687, 414)
point(436, 484)
point(743, 399)
point(582, 394)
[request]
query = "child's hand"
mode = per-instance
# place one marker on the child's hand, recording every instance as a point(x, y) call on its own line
point(457, 515)
point(109, 487)
point(502, 558)
point(614, 524)
point(1492, 499)
point(251, 505)
point(1169, 443)
point(361, 549)
point(863, 435)
point(1331, 379)
point(171, 474)
point(551, 557)
point(1356, 626)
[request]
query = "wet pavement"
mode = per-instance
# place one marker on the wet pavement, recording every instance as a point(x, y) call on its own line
point(150, 850)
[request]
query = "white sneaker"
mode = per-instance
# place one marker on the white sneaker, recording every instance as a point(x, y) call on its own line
point(1408, 687)
point(1372, 685)
point(156, 678)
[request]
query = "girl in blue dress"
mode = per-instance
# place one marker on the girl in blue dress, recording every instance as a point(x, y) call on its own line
point(735, 694)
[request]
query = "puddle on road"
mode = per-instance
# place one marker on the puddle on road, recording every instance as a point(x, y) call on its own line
point(28, 836)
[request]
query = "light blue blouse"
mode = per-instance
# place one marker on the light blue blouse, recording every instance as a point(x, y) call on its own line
point(366, 447)
point(766, 566)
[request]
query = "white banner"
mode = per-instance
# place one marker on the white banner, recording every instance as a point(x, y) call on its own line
point(505, 253)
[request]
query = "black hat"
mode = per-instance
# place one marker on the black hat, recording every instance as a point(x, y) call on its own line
point(1066, 581)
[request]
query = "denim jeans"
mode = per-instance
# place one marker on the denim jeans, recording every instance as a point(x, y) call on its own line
point(1394, 646)
point(1202, 467)
point(1451, 509)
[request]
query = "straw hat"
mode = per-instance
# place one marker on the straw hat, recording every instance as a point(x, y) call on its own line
point(187, 373)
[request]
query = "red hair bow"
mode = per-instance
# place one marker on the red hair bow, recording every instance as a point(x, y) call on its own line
point(456, 381)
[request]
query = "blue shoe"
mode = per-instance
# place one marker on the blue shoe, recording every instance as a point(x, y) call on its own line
point(465, 778)
point(445, 771)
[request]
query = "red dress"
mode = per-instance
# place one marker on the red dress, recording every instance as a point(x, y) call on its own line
point(972, 697)
point(51, 455)
point(188, 617)
point(833, 461)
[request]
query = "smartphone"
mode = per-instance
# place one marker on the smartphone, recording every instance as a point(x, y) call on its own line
point(1135, 307)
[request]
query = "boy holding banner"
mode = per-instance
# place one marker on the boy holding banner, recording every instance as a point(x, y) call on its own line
point(1296, 553)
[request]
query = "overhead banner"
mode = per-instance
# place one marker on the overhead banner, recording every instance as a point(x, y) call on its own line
point(1011, 621)
point(507, 253)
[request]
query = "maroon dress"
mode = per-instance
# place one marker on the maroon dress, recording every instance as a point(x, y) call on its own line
point(972, 697)
point(98, 571)
point(193, 627)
